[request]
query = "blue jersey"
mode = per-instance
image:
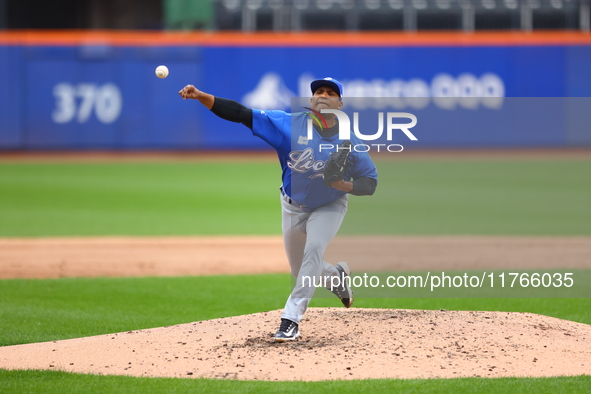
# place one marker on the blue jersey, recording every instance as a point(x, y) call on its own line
point(302, 159)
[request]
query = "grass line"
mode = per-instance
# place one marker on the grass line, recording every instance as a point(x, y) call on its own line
point(60, 382)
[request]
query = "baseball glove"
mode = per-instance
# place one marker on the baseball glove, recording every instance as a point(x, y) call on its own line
point(336, 165)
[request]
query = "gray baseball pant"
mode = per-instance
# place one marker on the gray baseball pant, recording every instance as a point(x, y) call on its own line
point(306, 236)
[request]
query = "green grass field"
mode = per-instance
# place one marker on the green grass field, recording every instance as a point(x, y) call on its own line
point(59, 382)
point(50, 309)
point(414, 197)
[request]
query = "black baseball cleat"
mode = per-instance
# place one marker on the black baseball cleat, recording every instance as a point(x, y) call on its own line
point(344, 291)
point(288, 331)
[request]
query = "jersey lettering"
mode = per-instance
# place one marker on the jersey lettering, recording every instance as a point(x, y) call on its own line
point(303, 161)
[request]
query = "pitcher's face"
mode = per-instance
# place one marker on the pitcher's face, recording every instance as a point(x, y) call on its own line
point(326, 97)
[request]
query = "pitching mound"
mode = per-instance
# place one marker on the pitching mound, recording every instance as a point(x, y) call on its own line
point(336, 343)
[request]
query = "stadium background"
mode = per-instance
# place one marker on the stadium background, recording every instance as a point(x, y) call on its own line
point(78, 77)
point(94, 88)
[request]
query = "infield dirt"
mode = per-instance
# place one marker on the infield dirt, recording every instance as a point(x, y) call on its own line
point(174, 256)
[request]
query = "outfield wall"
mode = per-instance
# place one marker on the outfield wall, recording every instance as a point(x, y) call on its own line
point(97, 90)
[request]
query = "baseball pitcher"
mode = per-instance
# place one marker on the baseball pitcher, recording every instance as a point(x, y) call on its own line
point(316, 183)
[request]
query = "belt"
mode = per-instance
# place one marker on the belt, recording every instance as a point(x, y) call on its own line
point(292, 202)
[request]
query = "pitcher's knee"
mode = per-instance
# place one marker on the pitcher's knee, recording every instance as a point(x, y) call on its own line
point(315, 247)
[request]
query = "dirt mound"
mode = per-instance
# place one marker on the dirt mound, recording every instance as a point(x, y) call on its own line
point(336, 343)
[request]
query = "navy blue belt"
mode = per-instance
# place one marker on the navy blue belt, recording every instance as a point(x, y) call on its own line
point(292, 202)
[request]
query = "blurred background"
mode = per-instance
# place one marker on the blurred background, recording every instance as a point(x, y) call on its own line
point(79, 75)
point(285, 15)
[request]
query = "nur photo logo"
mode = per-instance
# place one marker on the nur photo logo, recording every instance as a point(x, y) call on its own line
point(393, 121)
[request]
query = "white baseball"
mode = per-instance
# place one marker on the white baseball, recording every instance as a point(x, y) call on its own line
point(162, 71)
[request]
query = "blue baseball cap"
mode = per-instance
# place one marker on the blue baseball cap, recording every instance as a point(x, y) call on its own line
point(333, 83)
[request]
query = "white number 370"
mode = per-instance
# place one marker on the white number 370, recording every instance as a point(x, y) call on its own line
point(79, 101)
